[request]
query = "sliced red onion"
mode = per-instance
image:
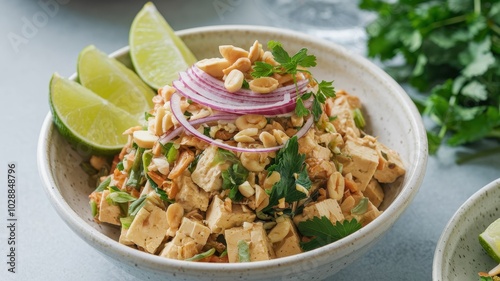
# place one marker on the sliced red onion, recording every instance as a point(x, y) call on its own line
point(168, 136)
point(216, 83)
point(175, 103)
point(224, 105)
point(201, 86)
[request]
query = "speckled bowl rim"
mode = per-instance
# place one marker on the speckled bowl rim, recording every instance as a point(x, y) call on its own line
point(442, 244)
point(360, 238)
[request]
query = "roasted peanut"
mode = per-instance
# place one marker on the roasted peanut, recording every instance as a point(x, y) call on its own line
point(263, 85)
point(175, 212)
point(234, 80)
point(267, 139)
point(167, 122)
point(246, 135)
point(335, 186)
point(279, 232)
point(144, 139)
point(255, 162)
point(232, 53)
point(246, 189)
point(280, 136)
point(250, 121)
point(213, 66)
point(297, 121)
point(241, 64)
point(166, 92)
point(271, 179)
point(158, 125)
point(255, 51)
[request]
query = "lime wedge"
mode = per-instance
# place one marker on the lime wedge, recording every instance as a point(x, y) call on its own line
point(114, 82)
point(85, 118)
point(490, 240)
point(156, 52)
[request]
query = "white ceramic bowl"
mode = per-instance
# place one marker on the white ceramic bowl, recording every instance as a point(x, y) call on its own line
point(390, 114)
point(458, 255)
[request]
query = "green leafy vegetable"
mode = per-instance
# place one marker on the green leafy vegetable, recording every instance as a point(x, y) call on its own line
point(126, 221)
point(120, 197)
point(170, 152)
point(202, 255)
point(135, 206)
point(235, 175)
point(93, 208)
point(292, 65)
point(134, 177)
point(243, 251)
point(290, 165)
point(361, 207)
point(451, 52)
point(359, 120)
point(103, 185)
point(324, 232)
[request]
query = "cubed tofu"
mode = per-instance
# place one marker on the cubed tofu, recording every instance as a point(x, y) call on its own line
point(219, 219)
point(309, 146)
point(123, 238)
point(181, 247)
point(342, 108)
point(390, 165)
point(109, 213)
point(190, 196)
point(260, 247)
point(371, 213)
point(195, 230)
point(361, 162)
point(207, 174)
point(149, 227)
point(374, 192)
point(329, 208)
point(290, 245)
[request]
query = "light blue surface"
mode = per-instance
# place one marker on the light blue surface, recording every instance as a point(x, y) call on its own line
point(37, 40)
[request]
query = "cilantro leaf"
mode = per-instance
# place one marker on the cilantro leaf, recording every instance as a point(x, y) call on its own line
point(324, 232)
point(290, 165)
point(450, 52)
point(232, 178)
point(262, 69)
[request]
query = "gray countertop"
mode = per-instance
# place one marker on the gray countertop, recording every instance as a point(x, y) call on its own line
point(45, 36)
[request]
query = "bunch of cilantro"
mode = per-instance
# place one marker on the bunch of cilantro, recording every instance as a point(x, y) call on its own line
point(451, 50)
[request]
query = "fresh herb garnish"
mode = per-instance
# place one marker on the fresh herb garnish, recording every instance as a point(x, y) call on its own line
point(135, 206)
point(103, 185)
point(324, 232)
point(243, 251)
point(201, 256)
point(120, 197)
point(235, 175)
point(292, 65)
point(290, 165)
point(451, 52)
point(134, 177)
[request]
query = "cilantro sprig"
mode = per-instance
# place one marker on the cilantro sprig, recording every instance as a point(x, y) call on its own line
point(324, 232)
point(290, 165)
point(451, 52)
point(293, 65)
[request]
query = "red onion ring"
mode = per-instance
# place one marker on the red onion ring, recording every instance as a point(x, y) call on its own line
point(168, 136)
point(175, 102)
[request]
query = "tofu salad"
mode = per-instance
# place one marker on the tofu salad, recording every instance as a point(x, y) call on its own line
point(246, 157)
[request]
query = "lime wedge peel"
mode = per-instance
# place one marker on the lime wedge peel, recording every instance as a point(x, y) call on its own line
point(490, 240)
point(98, 124)
point(157, 53)
point(114, 82)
